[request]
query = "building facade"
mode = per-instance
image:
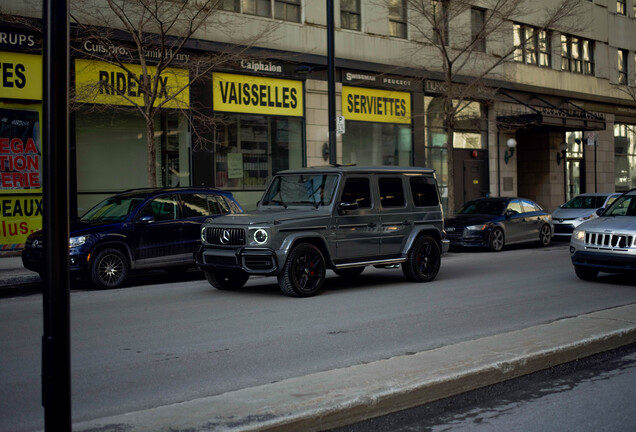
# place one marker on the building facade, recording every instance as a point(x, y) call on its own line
point(555, 119)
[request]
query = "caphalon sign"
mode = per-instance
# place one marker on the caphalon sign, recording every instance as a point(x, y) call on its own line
point(259, 66)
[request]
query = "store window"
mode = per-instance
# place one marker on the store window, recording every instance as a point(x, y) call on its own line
point(251, 148)
point(574, 163)
point(350, 15)
point(378, 127)
point(111, 152)
point(469, 133)
point(625, 156)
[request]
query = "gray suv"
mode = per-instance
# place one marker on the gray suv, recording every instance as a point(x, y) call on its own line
point(607, 243)
point(342, 218)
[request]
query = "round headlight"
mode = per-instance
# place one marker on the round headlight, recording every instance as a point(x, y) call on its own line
point(260, 236)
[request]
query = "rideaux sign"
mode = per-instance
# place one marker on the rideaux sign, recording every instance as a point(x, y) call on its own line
point(373, 105)
point(103, 83)
point(256, 95)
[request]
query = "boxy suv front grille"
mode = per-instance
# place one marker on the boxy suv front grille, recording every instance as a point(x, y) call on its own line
point(609, 240)
point(225, 236)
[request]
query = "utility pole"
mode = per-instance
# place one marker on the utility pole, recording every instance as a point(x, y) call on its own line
point(56, 347)
point(331, 82)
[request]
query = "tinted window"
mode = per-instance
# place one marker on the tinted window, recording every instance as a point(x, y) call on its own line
point(623, 206)
point(162, 208)
point(391, 192)
point(424, 191)
point(218, 205)
point(113, 209)
point(357, 190)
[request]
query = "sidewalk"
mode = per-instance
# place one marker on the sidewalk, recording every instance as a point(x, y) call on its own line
point(15, 279)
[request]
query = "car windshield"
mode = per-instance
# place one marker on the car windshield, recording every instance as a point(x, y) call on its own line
point(301, 189)
point(114, 209)
point(585, 202)
point(623, 206)
point(483, 207)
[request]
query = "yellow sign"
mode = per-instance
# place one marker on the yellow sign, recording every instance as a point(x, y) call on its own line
point(373, 105)
point(20, 76)
point(103, 83)
point(257, 95)
point(21, 215)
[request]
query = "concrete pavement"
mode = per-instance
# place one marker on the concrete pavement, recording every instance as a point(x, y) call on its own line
point(338, 397)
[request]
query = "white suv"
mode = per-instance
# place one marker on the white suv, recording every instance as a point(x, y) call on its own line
point(607, 243)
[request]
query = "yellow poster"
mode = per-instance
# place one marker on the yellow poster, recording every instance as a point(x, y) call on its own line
point(103, 83)
point(20, 76)
point(257, 95)
point(373, 105)
point(20, 173)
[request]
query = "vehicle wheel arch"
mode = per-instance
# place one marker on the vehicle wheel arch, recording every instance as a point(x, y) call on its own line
point(122, 247)
point(430, 231)
point(317, 240)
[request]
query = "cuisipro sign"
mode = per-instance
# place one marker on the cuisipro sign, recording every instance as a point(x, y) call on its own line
point(257, 95)
point(104, 83)
point(373, 105)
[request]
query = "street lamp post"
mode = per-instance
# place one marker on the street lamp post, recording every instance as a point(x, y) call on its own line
point(562, 157)
point(331, 82)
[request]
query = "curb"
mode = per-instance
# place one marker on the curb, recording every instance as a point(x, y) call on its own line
point(335, 398)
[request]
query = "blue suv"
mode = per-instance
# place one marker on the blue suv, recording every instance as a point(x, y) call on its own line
point(134, 230)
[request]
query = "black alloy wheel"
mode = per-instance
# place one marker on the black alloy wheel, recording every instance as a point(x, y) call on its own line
point(227, 280)
point(304, 272)
point(109, 268)
point(424, 260)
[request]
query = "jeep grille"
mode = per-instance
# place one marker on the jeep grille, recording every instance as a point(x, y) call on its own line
point(225, 236)
point(619, 241)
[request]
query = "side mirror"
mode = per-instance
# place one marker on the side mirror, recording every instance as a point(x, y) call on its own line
point(145, 220)
point(346, 206)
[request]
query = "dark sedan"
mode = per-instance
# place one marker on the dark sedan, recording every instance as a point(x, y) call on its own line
point(494, 222)
point(137, 229)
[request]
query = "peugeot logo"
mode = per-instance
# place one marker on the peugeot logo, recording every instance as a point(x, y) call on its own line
point(225, 237)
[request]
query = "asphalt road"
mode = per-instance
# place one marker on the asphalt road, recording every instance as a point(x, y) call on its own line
point(595, 394)
point(140, 347)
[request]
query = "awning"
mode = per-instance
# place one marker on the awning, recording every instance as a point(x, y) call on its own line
point(569, 116)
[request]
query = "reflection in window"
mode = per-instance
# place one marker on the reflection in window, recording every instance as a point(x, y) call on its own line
point(377, 144)
point(350, 15)
point(625, 156)
point(622, 66)
point(391, 192)
point(357, 190)
point(577, 55)
point(250, 149)
point(532, 46)
point(397, 18)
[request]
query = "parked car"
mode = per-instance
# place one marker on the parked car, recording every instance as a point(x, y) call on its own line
point(342, 218)
point(134, 230)
point(578, 210)
point(495, 222)
point(606, 243)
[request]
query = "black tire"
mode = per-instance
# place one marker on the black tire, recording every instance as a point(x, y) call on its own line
point(424, 260)
point(585, 273)
point(545, 235)
point(304, 272)
point(496, 240)
point(227, 280)
point(109, 269)
point(349, 273)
